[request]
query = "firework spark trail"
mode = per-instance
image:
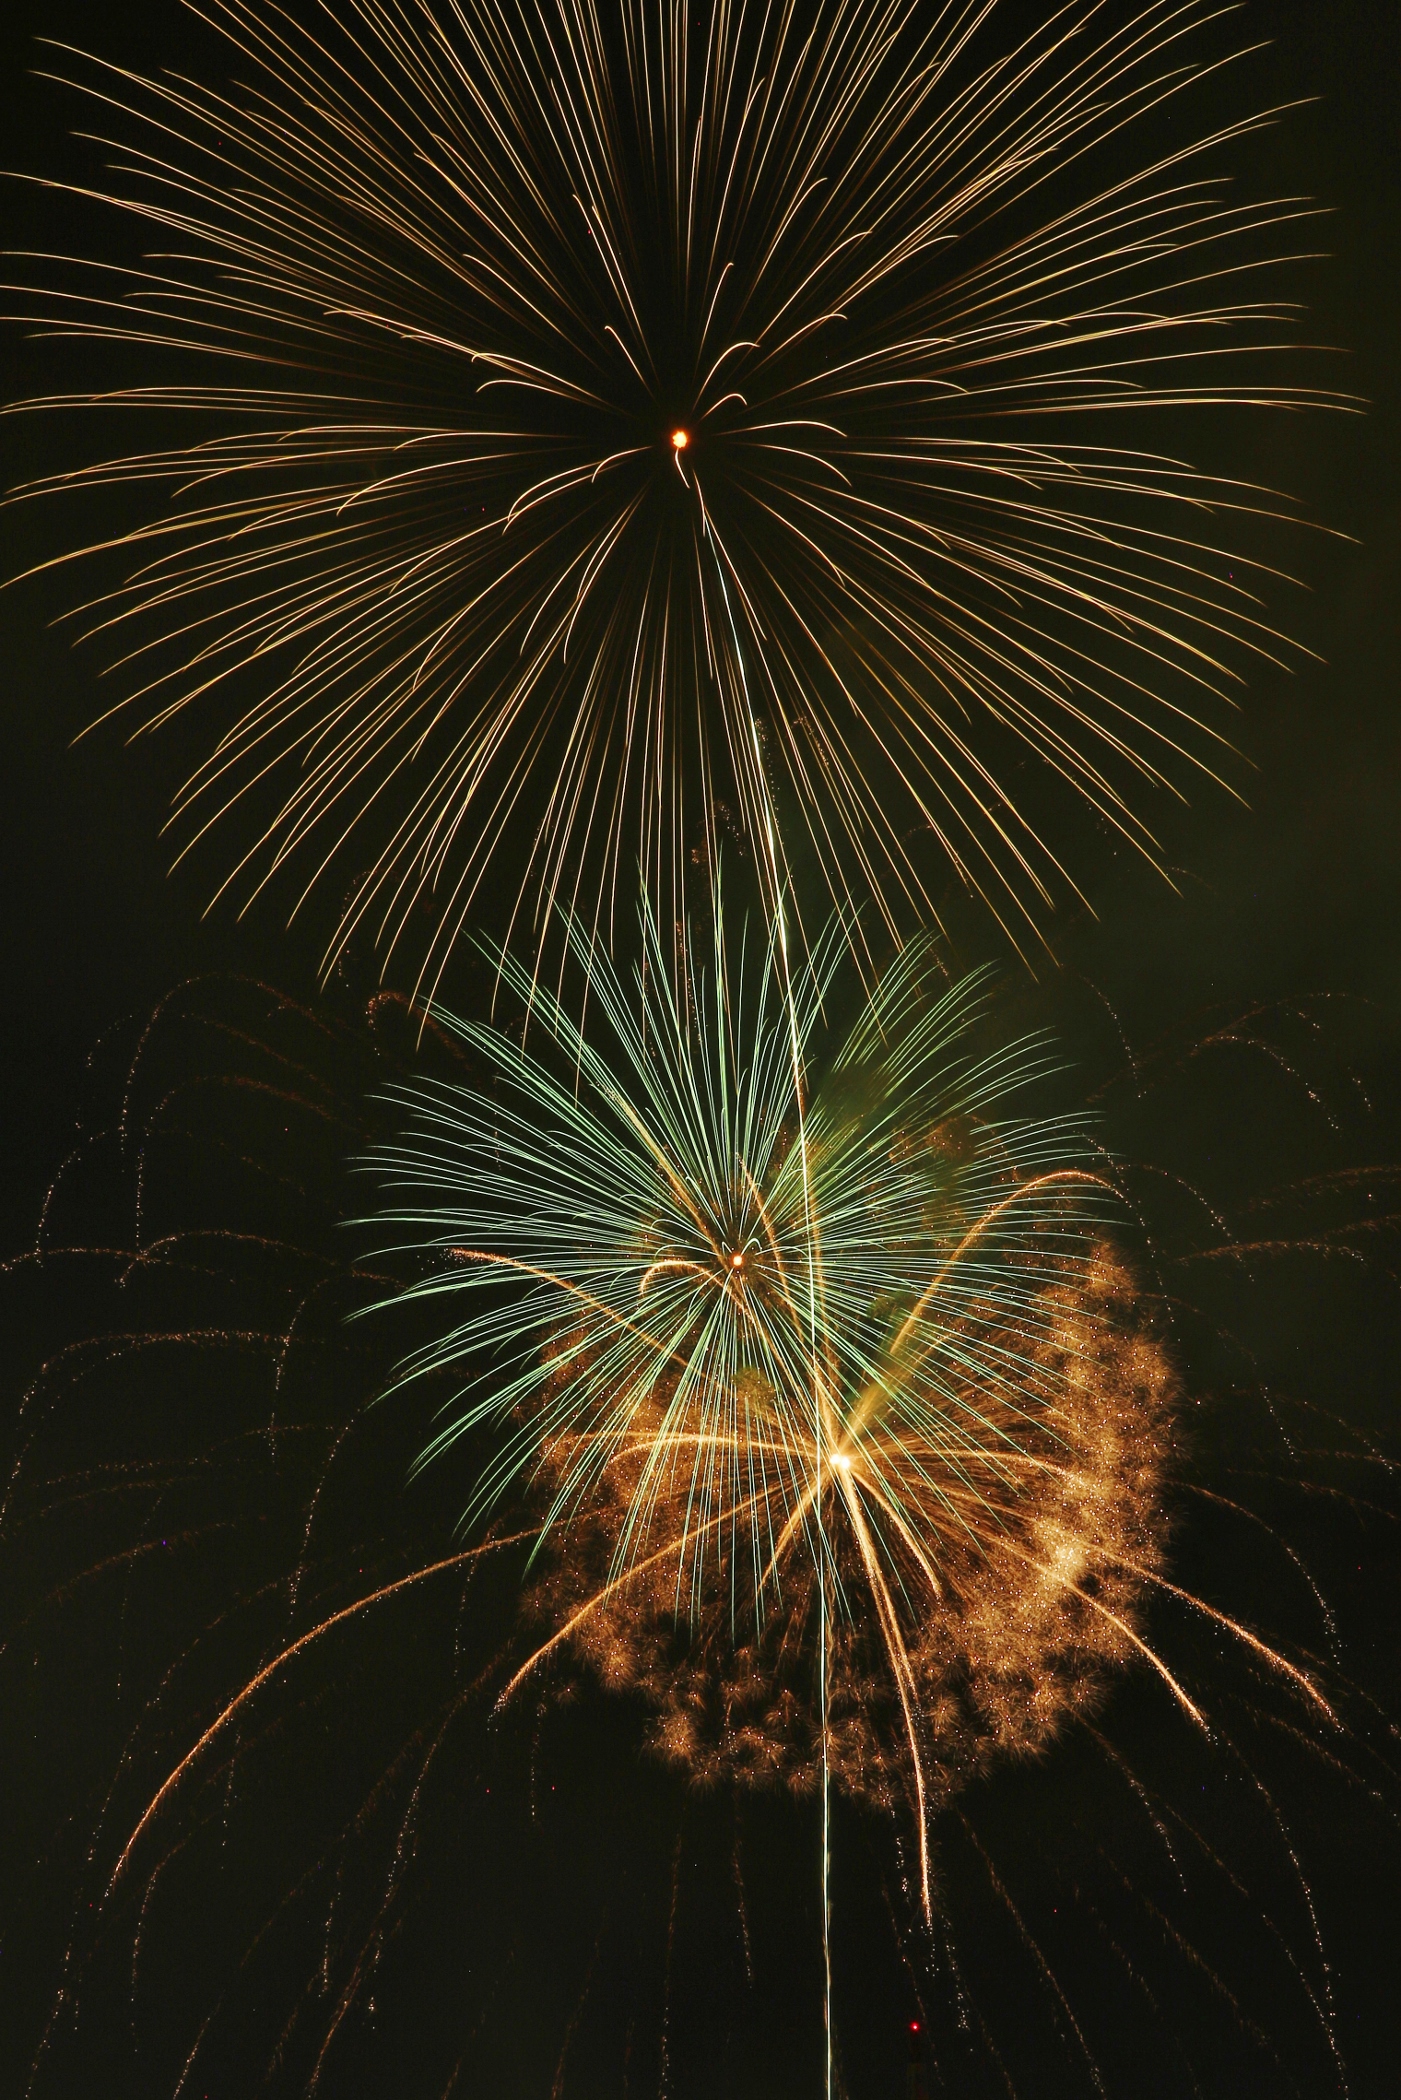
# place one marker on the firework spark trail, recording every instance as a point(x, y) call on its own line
point(272, 1669)
point(1047, 1973)
point(808, 330)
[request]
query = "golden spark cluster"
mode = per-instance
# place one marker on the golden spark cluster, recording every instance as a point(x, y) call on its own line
point(989, 1577)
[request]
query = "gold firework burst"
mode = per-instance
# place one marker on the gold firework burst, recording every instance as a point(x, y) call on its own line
point(597, 418)
point(991, 1573)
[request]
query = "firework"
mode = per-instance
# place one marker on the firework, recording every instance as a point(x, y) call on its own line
point(598, 422)
point(769, 1358)
point(991, 1570)
point(202, 1531)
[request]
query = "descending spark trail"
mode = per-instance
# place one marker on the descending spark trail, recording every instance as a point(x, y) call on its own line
point(272, 1669)
point(536, 364)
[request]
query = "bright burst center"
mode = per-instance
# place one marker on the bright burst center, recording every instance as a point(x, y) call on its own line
point(680, 439)
point(736, 1261)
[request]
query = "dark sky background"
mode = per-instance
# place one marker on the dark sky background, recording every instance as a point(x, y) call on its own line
point(1296, 895)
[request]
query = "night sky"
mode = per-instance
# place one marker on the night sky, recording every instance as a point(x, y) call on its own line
point(573, 1923)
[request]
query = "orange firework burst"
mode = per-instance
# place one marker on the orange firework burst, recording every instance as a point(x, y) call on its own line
point(992, 1573)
